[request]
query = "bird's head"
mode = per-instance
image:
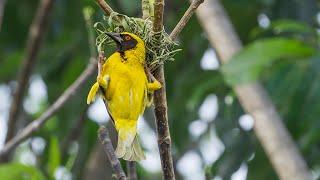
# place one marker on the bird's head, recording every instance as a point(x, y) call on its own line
point(128, 43)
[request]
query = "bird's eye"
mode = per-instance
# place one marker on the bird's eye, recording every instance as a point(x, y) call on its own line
point(127, 38)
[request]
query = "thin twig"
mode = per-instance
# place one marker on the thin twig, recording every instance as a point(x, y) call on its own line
point(160, 103)
point(109, 150)
point(105, 6)
point(36, 34)
point(131, 170)
point(145, 5)
point(2, 5)
point(185, 18)
point(36, 124)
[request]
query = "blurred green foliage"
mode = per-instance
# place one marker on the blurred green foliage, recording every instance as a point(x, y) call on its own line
point(283, 56)
point(15, 171)
point(249, 64)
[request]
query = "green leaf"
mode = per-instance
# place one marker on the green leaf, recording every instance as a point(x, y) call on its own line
point(15, 171)
point(54, 155)
point(284, 27)
point(247, 65)
point(290, 26)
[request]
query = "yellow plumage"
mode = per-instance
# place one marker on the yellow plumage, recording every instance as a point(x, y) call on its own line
point(125, 86)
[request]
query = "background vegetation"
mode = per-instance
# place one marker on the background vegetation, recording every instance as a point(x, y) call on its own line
point(211, 134)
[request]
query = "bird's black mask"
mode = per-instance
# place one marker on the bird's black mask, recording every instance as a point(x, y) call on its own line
point(124, 41)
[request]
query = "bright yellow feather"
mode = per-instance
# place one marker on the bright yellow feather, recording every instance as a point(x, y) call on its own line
point(125, 86)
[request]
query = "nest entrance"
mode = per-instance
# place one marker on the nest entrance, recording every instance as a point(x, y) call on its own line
point(157, 53)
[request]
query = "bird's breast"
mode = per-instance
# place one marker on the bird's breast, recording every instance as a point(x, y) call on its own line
point(126, 89)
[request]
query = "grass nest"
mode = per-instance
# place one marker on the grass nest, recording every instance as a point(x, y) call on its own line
point(157, 52)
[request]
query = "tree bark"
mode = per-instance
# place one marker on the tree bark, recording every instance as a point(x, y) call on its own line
point(131, 170)
point(268, 126)
point(109, 151)
point(160, 103)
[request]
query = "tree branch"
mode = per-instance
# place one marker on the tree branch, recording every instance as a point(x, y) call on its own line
point(108, 149)
point(36, 124)
point(36, 33)
point(2, 5)
point(185, 18)
point(145, 9)
point(158, 16)
point(268, 126)
point(131, 170)
point(105, 6)
point(160, 103)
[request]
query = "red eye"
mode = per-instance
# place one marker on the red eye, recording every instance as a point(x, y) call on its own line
point(127, 38)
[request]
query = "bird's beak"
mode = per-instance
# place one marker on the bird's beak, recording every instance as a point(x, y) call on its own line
point(116, 37)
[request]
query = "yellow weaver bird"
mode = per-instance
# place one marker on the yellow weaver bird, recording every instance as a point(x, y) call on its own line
point(123, 83)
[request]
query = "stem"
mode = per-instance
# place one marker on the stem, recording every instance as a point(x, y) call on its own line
point(105, 6)
point(108, 149)
point(268, 125)
point(58, 104)
point(185, 18)
point(36, 34)
point(131, 170)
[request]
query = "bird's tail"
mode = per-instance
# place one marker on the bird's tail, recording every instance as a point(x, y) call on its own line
point(128, 146)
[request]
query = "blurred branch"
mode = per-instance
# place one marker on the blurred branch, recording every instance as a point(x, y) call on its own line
point(36, 124)
point(87, 14)
point(108, 149)
point(131, 170)
point(2, 5)
point(160, 103)
point(145, 9)
point(185, 18)
point(268, 126)
point(105, 6)
point(36, 33)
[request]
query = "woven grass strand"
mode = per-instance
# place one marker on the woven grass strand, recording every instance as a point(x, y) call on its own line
point(157, 53)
